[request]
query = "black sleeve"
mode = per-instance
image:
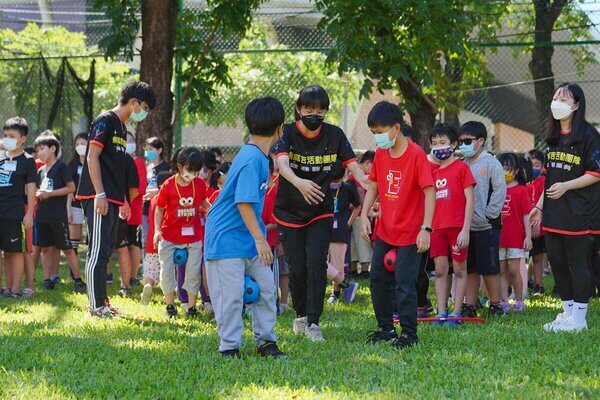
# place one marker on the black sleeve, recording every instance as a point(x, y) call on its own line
point(38, 179)
point(65, 174)
point(31, 175)
point(284, 144)
point(133, 180)
point(591, 151)
point(101, 132)
point(345, 152)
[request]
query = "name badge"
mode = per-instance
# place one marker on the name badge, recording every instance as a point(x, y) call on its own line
point(335, 224)
point(46, 184)
point(10, 166)
point(187, 230)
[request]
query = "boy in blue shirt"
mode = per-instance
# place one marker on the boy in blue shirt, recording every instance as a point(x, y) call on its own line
point(235, 239)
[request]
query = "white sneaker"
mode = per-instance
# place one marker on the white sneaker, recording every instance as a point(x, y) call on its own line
point(559, 320)
point(300, 325)
point(570, 326)
point(314, 333)
point(147, 294)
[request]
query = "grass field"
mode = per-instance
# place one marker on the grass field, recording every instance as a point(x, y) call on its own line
point(50, 350)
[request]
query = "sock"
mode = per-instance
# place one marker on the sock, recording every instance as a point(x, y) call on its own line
point(579, 310)
point(337, 293)
point(345, 283)
point(74, 244)
point(568, 307)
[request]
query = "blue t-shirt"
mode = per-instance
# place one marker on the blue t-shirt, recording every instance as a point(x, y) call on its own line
point(226, 234)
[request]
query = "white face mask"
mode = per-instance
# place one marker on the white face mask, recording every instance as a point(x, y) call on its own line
point(130, 148)
point(187, 176)
point(80, 149)
point(560, 110)
point(9, 144)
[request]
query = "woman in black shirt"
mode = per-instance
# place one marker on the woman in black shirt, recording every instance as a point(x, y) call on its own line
point(570, 204)
point(306, 154)
point(75, 211)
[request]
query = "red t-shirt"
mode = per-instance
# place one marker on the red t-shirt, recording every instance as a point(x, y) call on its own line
point(150, 239)
point(213, 197)
point(450, 183)
point(536, 188)
point(136, 203)
point(267, 215)
point(401, 182)
point(181, 221)
point(516, 204)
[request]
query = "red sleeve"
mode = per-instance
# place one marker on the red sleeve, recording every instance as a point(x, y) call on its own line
point(163, 194)
point(467, 177)
point(141, 170)
point(373, 172)
point(202, 186)
point(423, 171)
point(525, 199)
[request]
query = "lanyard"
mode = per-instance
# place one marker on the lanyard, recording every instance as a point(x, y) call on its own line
point(187, 218)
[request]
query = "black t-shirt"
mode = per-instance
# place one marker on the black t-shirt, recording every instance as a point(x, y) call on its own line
point(342, 198)
point(76, 168)
point(576, 211)
point(53, 209)
point(152, 177)
point(132, 179)
point(310, 158)
point(15, 173)
point(109, 133)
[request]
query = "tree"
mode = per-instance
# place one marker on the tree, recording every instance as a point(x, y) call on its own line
point(403, 44)
point(194, 42)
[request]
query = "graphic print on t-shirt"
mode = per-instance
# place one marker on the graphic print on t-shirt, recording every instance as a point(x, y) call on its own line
point(5, 178)
point(393, 179)
point(506, 206)
point(441, 192)
point(186, 210)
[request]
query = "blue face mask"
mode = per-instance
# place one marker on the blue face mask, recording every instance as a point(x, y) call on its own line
point(535, 173)
point(442, 153)
point(151, 155)
point(382, 140)
point(138, 117)
point(467, 150)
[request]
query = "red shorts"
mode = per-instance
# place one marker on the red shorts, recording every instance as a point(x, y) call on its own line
point(442, 243)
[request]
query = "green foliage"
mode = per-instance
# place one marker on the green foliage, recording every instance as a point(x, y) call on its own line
point(29, 87)
point(276, 73)
point(123, 29)
point(393, 41)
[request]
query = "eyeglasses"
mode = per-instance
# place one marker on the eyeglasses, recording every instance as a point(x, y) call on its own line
point(467, 141)
point(147, 109)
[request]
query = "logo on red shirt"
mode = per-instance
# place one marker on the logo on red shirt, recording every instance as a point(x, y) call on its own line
point(506, 206)
point(393, 178)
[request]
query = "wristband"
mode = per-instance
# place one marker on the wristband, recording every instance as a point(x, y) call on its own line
point(101, 195)
point(426, 228)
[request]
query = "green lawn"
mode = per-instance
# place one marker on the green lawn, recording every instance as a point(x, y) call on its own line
point(48, 349)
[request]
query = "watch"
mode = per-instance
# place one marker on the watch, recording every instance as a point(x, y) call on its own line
point(426, 228)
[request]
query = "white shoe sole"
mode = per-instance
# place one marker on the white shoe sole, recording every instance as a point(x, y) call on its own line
point(146, 295)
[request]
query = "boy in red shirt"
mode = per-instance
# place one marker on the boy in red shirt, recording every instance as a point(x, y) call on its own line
point(401, 177)
point(452, 218)
point(536, 188)
point(515, 237)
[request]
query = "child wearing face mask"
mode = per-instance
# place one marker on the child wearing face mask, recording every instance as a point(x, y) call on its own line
point(515, 237)
point(344, 194)
point(451, 224)
point(536, 189)
point(177, 226)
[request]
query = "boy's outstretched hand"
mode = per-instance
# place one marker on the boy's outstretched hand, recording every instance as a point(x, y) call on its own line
point(365, 228)
point(264, 252)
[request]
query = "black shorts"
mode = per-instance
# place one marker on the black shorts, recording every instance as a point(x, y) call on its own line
point(539, 246)
point(12, 236)
point(484, 250)
point(127, 235)
point(52, 235)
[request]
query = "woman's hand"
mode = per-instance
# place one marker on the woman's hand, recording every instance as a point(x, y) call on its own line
point(310, 191)
point(557, 190)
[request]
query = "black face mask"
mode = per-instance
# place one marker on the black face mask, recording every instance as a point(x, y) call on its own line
point(312, 122)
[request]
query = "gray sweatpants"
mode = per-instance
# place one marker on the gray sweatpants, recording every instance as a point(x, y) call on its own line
point(226, 287)
point(168, 278)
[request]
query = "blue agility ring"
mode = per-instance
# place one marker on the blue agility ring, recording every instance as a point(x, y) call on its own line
point(251, 290)
point(180, 256)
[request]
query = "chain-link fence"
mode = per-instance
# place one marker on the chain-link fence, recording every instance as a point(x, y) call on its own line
point(281, 53)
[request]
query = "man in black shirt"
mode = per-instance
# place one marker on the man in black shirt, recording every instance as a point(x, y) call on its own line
point(103, 184)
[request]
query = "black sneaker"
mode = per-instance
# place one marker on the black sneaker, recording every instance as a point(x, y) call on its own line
point(270, 349)
point(468, 310)
point(538, 290)
point(192, 312)
point(79, 286)
point(48, 284)
point(171, 311)
point(380, 335)
point(124, 291)
point(403, 341)
point(134, 282)
point(495, 310)
point(109, 278)
point(235, 353)
point(56, 280)
point(352, 275)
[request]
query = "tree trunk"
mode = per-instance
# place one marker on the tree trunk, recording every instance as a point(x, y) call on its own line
point(540, 66)
point(159, 23)
point(422, 117)
point(451, 111)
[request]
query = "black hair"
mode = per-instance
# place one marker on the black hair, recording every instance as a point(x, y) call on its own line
point(536, 154)
point(217, 151)
point(384, 113)
point(368, 155)
point(209, 160)
point(578, 123)
point(29, 150)
point(516, 164)
point(157, 144)
point(409, 132)
point(17, 124)
point(224, 168)
point(443, 130)
point(474, 128)
point(527, 168)
point(162, 177)
point(264, 116)
point(47, 139)
point(271, 165)
point(337, 171)
point(188, 157)
point(138, 90)
point(312, 96)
